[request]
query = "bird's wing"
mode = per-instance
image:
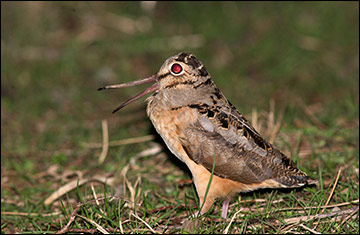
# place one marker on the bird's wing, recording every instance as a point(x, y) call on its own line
point(240, 153)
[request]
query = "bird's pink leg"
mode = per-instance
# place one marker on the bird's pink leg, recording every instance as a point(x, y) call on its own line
point(225, 207)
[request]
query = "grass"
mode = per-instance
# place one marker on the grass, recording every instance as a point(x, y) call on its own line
point(292, 66)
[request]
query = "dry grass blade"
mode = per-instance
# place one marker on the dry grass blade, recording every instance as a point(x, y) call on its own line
point(94, 194)
point(232, 219)
point(346, 219)
point(332, 191)
point(155, 149)
point(132, 189)
point(254, 120)
point(72, 185)
point(277, 125)
point(320, 216)
point(105, 144)
point(95, 197)
point(316, 207)
point(121, 142)
point(310, 114)
point(253, 200)
point(309, 229)
point(101, 229)
point(147, 225)
point(272, 126)
point(288, 228)
point(82, 230)
point(66, 228)
point(29, 214)
point(71, 219)
point(121, 227)
point(63, 190)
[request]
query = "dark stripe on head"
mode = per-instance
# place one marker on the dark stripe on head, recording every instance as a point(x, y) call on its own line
point(163, 75)
point(181, 57)
point(179, 83)
point(192, 61)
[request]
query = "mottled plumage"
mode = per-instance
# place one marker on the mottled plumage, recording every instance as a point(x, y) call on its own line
point(199, 124)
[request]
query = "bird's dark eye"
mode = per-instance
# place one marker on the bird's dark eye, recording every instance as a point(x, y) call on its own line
point(176, 69)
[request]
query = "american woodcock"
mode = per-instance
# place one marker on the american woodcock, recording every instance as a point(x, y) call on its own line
point(201, 127)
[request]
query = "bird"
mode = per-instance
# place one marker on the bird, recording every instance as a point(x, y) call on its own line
point(199, 125)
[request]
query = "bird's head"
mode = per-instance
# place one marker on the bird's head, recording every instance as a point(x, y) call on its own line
point(178, 70)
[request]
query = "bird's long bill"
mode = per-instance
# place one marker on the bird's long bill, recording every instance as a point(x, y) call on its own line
point(148, 90)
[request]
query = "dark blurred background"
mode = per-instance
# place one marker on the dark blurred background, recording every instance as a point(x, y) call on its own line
point(302, 56)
